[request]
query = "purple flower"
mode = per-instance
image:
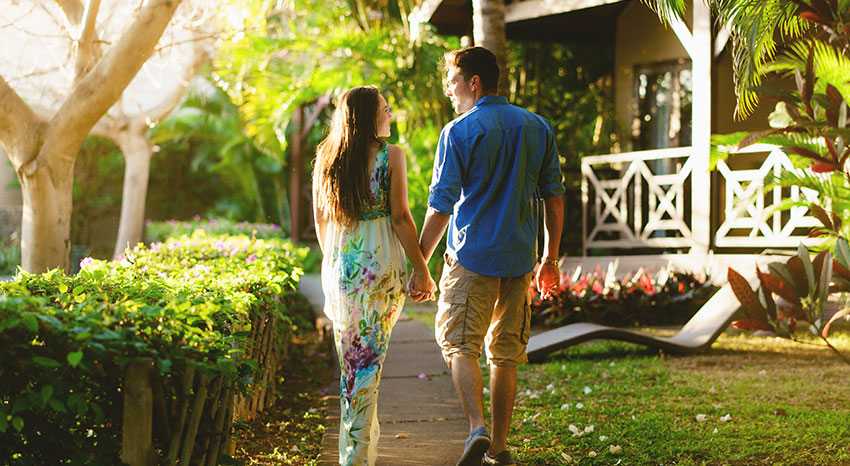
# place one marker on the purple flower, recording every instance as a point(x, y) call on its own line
point(356, 358)
point(197, 217)
point(250, 259)
point(85, 262)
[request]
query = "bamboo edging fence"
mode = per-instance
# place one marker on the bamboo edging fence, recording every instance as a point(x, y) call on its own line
point(186, 418)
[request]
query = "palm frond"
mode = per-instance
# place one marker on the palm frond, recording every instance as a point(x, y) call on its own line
point(667, 10)
point(756, 28)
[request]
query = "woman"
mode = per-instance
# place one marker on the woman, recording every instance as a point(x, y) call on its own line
point(363, 223)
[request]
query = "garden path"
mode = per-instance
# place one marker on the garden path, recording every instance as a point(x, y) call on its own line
point(422, 422)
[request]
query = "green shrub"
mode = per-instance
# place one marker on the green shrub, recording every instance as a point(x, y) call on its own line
point(10, 257)
point(194, 309)
point(161, 231)
point(669, 298)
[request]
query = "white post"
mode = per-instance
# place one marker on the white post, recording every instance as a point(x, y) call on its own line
point(701, 130)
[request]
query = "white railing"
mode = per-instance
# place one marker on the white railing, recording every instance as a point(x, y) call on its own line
point(643, 200)
point(749, 217)
point(627, 202)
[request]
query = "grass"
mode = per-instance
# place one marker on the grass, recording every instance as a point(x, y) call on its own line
point(748, 401)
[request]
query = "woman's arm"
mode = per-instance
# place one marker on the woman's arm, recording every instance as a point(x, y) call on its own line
point(319, 218)
point(402, 220)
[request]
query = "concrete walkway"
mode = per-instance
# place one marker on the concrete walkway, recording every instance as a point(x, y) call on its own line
point(422, 422)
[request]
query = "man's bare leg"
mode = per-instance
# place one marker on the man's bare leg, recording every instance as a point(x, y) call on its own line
point(466, 374)
point(502, 395)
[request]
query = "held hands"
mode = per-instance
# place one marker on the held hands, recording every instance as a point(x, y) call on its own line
point(421, 287)
point(548, 279)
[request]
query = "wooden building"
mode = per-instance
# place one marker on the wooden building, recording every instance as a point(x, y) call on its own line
point(656, 201)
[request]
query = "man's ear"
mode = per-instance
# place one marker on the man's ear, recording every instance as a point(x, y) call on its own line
point(474, 82)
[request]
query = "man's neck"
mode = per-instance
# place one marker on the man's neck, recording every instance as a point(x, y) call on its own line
point(480, 95)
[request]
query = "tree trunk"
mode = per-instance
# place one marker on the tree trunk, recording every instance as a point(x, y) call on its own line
point(43, 154)
point(488, 31)
point(137, 423)
point(137, 156)
point(46, 223)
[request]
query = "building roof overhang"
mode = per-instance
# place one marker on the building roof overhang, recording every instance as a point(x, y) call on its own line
point(548, 20)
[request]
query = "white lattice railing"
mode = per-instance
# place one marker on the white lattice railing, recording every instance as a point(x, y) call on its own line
point(637, 199)
point(643, 200)
point(749, 218)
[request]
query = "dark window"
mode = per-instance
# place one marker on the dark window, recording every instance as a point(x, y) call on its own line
point(662, 105)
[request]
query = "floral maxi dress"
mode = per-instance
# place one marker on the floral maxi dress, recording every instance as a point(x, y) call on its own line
point(363, 277)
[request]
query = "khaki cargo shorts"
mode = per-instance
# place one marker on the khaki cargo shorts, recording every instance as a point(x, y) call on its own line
point(475, 309)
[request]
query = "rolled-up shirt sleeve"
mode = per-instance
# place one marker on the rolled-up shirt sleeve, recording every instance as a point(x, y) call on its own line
point(446, 179)
point(550, 183)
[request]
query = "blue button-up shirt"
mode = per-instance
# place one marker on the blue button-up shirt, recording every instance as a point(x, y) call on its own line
point(493, 164)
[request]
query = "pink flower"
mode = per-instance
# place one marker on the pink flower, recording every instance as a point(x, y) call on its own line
point(86, 262)
point(250, 259)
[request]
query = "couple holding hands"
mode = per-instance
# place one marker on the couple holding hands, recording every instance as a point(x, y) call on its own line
point(493, 164)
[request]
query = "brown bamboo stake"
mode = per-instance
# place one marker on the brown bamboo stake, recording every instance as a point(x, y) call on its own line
point(194, 421)
point(212, 415)
point(177, 434)
point(218, 426)
point(262, 375)
point(229, 447)
point(137, 424)
point(159, 406)
point(255, 322)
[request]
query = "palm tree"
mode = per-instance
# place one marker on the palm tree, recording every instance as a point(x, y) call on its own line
point(756, 29)
point(488, 30)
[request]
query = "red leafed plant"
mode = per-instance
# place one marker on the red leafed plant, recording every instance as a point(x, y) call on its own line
point(666, 298)
point(796, 290)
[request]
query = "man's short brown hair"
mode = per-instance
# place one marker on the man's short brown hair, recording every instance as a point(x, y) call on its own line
point(473, 61)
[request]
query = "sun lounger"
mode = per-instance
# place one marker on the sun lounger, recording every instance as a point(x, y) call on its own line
point(698, 333)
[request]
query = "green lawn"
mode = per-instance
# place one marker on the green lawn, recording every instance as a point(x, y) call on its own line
point(748, 401)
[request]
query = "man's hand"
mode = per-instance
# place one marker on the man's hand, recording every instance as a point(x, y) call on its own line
point(548, 279)
point(421, 288)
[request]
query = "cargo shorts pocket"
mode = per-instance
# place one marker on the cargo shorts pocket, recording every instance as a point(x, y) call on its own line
point(525, 332)
point(451, 312)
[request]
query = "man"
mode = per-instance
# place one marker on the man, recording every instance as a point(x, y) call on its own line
point(493, 164)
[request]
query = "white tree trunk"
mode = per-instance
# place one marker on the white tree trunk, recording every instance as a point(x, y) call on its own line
point(488, 31)
point(137, 156)
point(46, 223)
point(44, 154)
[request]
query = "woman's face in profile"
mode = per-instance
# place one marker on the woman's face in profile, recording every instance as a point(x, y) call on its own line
point(382, 123)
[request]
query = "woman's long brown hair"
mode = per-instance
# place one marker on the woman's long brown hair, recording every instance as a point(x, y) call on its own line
point(341, 172)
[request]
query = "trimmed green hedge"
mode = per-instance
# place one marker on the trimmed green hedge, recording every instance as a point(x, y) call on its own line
point(204, 317)
point(161, 231)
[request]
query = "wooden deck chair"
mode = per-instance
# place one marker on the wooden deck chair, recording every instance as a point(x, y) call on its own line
point(698, 333)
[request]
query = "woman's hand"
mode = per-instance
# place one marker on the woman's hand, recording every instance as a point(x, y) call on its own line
point(421, 287)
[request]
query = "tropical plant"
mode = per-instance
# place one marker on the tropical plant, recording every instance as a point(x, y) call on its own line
point(668, 297)
point(209, 124)
point(757, 29)
point(810, 124)
point(794, 291)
